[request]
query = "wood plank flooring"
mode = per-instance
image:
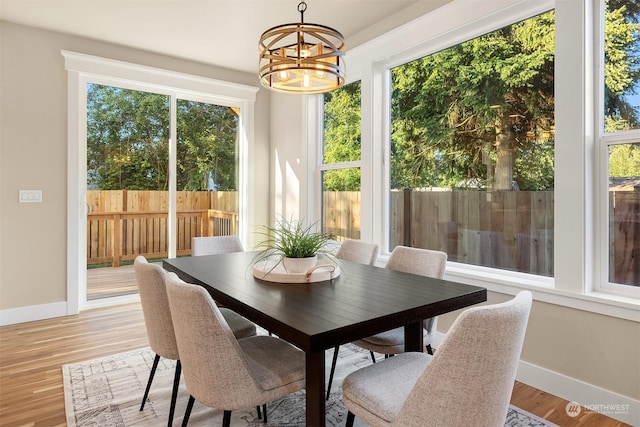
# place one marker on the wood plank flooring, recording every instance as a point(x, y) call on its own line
point(107, 282)
point(32, 354)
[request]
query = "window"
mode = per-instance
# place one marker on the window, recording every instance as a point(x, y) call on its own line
point(340, 169)
point(620, 143)
point(84, 70)
point(558, 241)
point(472, 150)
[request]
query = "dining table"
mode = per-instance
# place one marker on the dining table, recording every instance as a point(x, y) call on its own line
point(315, 316)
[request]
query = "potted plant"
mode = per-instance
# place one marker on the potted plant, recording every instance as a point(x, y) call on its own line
point(295, 244)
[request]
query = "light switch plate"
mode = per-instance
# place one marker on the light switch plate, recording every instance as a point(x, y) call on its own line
point(30, 196)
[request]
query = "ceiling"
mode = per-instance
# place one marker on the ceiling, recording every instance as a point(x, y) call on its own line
point(218, 32)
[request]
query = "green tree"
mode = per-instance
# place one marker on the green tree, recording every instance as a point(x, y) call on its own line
point(624, 160)
point(462, 114)
point(127, 134)
point(207, 142)
point(622, 72)
point(342, 137)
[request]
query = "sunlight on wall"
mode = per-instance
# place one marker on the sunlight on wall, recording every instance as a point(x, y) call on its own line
point(287, 188)
point(292, 189)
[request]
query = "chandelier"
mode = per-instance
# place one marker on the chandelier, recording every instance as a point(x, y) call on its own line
point(302, 58)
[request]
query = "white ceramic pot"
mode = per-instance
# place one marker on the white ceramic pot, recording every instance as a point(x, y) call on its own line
point(299, 265)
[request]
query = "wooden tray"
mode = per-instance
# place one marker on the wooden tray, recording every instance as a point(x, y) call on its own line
point(272, 270)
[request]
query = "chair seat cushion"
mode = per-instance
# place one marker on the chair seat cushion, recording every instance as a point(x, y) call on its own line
point(240, 326)
point(273, 362)
point(383, 387)
point(389, 342)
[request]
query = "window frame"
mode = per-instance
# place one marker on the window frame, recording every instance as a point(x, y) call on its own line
point(577, 252)
point(83, 69)
point(604, 141)
point(324, 167)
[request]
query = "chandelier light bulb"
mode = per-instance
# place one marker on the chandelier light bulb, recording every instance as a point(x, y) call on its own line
point(283, 75)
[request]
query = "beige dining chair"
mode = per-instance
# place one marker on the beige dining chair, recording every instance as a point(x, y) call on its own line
point(423, 262)
point(214, 245)
point(221, 371)
point(468, 382)
point(360, 252)
point(159, 324)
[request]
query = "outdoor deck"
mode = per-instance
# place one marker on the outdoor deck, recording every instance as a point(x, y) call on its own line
point(110, 282)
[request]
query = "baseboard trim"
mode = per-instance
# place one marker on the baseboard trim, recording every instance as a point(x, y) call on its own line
point(589, 396)
point(31, 313)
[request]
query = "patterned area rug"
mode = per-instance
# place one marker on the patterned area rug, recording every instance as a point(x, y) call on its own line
point(108, 392)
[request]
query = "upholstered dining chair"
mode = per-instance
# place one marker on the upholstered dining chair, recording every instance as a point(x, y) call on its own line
point(468, 381)
point(159, 324)
point(360, 252)
point(214, 245)
point(221, 371)
point(423, 262)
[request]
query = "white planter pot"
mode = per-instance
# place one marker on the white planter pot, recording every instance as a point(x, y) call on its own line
point(299, 265)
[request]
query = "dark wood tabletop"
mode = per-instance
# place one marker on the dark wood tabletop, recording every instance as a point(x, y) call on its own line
point(361, 301)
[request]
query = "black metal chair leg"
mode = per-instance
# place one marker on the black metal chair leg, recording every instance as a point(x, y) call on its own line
point(373, 357)
point(153, 372)
point(187, 413)
point(333, 369)
point(350, 419)
point(264, 410)
point(174, 393)
point(226, 419)
point(429, 349)
point(259, 412)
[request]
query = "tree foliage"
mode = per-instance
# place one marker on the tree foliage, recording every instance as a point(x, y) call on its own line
point(207, 141)
point(460, 116)
point(128, 142)
point(481, 113)
point(342, 137)
point(127, 134)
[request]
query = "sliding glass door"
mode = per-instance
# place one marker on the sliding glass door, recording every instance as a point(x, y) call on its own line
point(131, 207)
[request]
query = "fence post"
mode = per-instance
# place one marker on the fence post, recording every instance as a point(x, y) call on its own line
point(117, 240)
point(406, 222)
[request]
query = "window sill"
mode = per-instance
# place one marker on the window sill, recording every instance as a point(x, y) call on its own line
point(543, 290)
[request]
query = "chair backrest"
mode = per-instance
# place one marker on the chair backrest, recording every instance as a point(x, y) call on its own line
point(470, 378)
point(213, 364)
point(155, 308)
point(214, 245)
point(358, 251)
point(424, 262)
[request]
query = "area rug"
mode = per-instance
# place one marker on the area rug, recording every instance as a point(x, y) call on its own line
point(108, 392)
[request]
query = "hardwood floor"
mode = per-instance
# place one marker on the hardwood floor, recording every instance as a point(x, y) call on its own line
point(106, 282)
point(31, 356)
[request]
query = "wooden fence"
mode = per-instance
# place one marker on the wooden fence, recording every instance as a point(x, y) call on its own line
point(341, 214)
point(510, 230)
point(124, 224)
point(624, 232)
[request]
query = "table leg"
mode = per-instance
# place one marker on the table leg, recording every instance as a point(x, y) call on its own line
point(413, 339)
point(315, 389)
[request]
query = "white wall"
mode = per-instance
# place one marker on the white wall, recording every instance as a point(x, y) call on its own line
point(33, 155)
